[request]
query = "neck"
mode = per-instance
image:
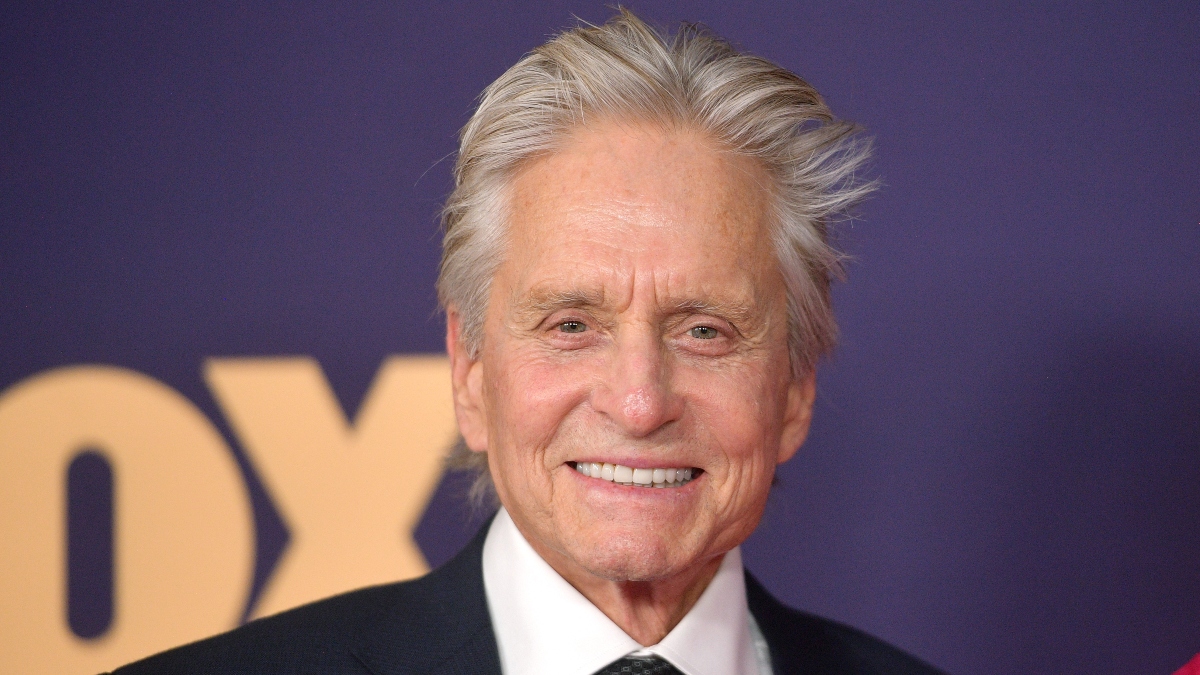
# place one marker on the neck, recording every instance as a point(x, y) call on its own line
point(645, 610)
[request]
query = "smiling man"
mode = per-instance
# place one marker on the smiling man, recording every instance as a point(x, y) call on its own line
point(636, 282)
point(632, 387)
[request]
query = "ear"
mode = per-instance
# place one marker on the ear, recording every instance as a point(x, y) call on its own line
point(801, 393)
point(466, 376)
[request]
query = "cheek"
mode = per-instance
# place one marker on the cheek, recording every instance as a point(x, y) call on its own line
point(529, 398)
point(746, 423)
point(743, 409)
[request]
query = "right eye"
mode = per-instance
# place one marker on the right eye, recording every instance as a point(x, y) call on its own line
point(572, 327)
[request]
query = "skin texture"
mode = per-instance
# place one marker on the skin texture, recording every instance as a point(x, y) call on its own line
point(638, 318)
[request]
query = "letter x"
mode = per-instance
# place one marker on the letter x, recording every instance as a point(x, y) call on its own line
point(351, 495)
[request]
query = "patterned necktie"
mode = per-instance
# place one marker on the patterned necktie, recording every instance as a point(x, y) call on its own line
point(650, 665)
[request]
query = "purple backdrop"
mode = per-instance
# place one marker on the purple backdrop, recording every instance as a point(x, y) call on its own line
point(1004, 473)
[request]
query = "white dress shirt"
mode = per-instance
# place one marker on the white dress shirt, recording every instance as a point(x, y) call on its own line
point(546, 627)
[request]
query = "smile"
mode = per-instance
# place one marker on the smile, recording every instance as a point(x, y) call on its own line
point(624, 475)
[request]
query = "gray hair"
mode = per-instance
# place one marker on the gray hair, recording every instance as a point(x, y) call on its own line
point(627, 70)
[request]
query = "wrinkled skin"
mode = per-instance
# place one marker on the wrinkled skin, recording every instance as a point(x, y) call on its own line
point(639, 318)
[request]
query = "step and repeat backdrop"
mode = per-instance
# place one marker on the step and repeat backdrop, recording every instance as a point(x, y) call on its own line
point(222, 392)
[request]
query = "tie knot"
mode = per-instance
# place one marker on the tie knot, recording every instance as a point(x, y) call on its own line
point(634, 665)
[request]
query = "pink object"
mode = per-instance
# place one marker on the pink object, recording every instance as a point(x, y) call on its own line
point(1191, 668)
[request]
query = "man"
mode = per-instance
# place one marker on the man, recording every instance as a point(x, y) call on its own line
point(636, 283)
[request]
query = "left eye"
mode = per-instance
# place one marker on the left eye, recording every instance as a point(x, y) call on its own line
point(703, 332)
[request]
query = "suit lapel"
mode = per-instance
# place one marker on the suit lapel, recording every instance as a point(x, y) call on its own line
point(440, 625)
point(798, 642)
point(802, 643)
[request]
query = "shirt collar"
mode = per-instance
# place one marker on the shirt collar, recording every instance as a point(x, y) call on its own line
point(545, 627)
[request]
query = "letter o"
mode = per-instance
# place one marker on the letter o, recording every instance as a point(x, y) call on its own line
point(183, 539)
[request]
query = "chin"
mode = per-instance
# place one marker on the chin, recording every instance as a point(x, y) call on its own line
point(634, 557)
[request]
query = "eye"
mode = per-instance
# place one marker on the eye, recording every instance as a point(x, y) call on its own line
point(572, 327)
point(703, 332)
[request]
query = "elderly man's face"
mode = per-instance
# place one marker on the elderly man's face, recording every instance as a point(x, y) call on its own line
point(639, 320)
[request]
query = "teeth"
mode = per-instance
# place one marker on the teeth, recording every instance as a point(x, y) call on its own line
point(616, 473)
point(622, 474)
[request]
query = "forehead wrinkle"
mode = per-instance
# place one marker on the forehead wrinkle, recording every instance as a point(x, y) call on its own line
point(611, 232)
point(737, 299)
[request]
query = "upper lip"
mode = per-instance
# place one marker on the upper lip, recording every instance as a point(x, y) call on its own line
point(642, 463)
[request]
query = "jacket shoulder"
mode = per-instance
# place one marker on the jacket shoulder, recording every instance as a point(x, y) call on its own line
point(805, 643)
point(318, 635)
point(437, 623)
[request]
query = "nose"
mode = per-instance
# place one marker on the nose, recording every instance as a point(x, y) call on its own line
point(636, 392)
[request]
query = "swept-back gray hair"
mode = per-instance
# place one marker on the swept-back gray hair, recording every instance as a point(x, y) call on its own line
point(626, 70)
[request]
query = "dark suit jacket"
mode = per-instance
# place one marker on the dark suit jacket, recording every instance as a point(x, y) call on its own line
point(440, 624)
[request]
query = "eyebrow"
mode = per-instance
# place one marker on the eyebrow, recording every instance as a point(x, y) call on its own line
point(738, 313)
point(543, 302)
point(548, 301)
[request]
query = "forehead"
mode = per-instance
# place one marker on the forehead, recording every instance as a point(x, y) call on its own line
point(627, 202)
